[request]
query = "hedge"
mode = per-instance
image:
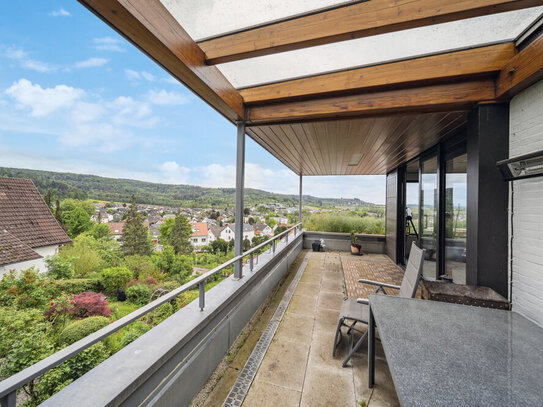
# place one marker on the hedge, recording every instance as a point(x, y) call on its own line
point(80, 329)
point(74, 286)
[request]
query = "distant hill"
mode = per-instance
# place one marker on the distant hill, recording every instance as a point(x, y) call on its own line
point(80, 186)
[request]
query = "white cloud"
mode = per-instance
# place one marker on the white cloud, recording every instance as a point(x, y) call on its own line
point(368, 188)
point(163, 97)
point(60, 13)
point(108, 44)
point(173, 173)
point(69, 114)
point(148, 76)
point(132, 75)
point(130, 112)
point(21, 56)
point(171, 80)
point(136, 76)
point(43, 102)
point(91, 63)
point(105, 137)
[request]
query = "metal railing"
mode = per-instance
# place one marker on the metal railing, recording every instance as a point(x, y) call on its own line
point(9, 386)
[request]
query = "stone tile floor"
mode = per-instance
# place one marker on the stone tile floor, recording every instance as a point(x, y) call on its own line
point(298, 369)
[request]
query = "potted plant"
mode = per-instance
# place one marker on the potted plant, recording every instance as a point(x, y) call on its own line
point(356, 249)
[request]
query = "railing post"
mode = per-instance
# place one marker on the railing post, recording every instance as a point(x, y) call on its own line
point(286, 238)
point(273, 247)
point(240, 178)
point(9, 400)
point(251, 262)
point(202, 294)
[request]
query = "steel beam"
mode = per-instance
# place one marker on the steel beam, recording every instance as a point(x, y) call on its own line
point(240, 178)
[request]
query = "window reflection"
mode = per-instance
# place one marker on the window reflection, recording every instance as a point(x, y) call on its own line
point(456, 218)
point(428, 216)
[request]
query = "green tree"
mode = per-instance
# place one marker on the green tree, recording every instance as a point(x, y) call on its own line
point(246, 244)
point(101, 232)
point(47, 198)
point(59, 267)
point(135, 238)
point(246, 211)
point(77, 220)
point(219, 245)
point(270, 221)
point(179, 236)
point(58, 212)
point(279, 229)
point(251, 221)
point(176, 266)
point(69, 205)
point(166, 230)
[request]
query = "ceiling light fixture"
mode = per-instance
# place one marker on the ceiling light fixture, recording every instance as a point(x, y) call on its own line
point(355, 159)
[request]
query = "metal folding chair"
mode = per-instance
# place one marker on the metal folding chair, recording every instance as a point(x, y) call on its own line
point(355, 311)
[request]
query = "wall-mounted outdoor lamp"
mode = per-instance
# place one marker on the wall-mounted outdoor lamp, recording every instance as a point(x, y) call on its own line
point(525, 166)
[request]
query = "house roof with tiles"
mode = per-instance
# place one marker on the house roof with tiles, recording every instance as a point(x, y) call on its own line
point(25, 215)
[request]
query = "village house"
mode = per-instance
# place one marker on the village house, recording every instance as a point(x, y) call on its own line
point(199, 236)
point(262, 229)
point(28, 230)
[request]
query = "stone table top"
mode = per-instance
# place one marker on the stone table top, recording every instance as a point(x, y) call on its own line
point(449, 354)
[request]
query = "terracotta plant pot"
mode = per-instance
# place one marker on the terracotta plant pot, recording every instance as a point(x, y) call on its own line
point(356, 249)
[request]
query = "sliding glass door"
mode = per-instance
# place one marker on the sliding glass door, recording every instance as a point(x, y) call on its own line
point(429, 198)
point(456, 216)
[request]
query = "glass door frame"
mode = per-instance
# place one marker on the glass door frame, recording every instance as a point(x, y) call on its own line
point(444, 150)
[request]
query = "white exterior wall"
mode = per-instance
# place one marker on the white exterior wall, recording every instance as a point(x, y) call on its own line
point(227, 234)
point(199, 241)
point(526, 222)
point(38, 264)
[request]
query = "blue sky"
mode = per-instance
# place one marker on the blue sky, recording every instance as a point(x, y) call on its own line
point(75, 96)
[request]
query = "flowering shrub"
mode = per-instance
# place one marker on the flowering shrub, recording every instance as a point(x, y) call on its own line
point(59, 310)
point(89, 304)
point(23, 290)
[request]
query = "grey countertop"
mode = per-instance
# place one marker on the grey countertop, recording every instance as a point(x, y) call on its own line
point(443, 354)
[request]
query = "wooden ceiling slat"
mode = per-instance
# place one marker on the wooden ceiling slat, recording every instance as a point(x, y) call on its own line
point(285, 145)
point(345, 23)
point(307, 163)
point(521, 71)
point(300, 132)
point(263, 141)
point(383, 141)
point(445, 97)
point(443, 67)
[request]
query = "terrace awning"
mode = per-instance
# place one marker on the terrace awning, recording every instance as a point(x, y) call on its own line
point(340, 87)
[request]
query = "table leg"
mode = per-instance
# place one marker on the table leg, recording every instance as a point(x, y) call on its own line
point(371, 350)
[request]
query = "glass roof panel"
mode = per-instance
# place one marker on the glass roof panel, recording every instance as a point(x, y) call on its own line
point(380, 48)
point(209, 18)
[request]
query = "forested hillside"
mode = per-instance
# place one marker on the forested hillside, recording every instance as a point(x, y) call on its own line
point(80, 186)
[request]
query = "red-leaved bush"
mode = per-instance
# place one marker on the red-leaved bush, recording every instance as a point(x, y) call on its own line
point(150, 281)
point(89, 304)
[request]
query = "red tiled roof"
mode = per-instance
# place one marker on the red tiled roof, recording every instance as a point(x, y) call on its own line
point(12, 250)
point(116, 227)
point(25, 215)
point(199, 229)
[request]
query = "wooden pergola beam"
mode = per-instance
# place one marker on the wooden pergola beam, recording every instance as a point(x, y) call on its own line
point(444, 67)
point(150, 27)
point(434, 98)
point(523, 70)
point(345, 23)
